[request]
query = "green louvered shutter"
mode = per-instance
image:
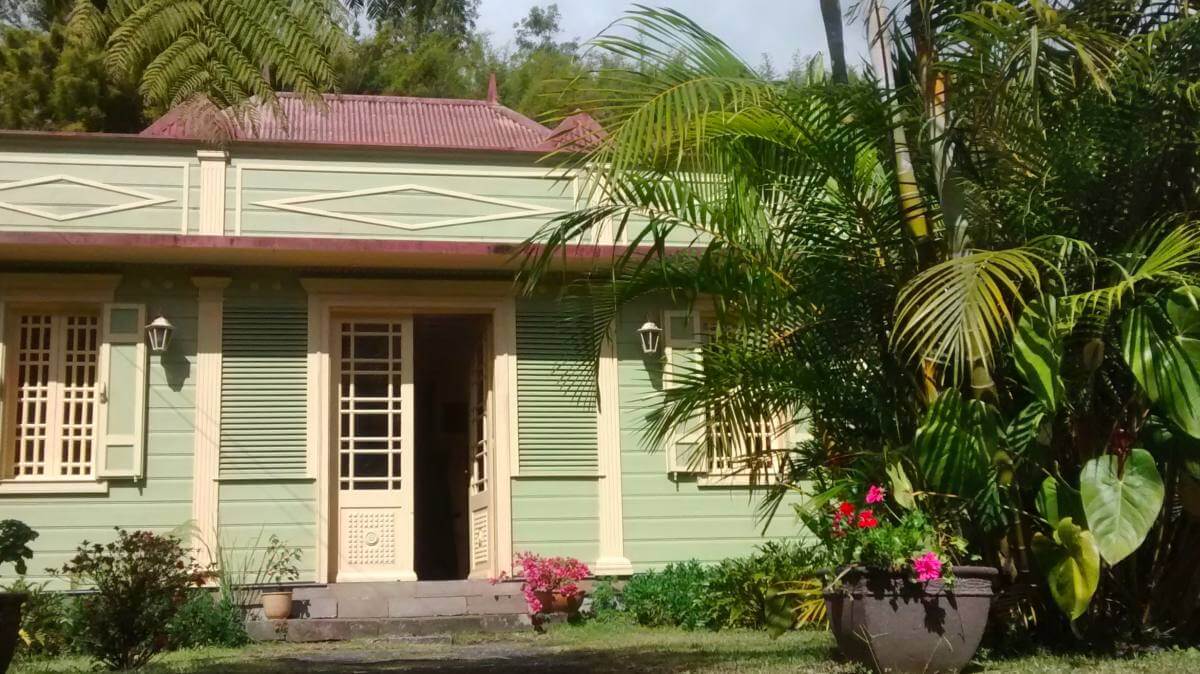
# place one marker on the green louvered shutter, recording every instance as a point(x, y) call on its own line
point(122, 446)
point(264, 391)
point(556, 395)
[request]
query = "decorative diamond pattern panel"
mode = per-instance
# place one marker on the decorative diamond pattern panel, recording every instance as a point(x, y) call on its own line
point(507, 208)
point(370, 537)
point(23, 196)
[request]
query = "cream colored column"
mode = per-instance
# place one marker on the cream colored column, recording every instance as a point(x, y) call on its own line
point(612, 561)
point(206, 445)
point(212, 191)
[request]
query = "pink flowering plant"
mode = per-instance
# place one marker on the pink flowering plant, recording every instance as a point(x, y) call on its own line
point(558, 575)
point(866, 531)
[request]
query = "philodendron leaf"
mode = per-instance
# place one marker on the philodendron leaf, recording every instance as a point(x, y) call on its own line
point(1037, 351)
point(1164, 358)
point(1071, 562)
point(1031, 428)
point(1057, 501)
point(1121, 507)
point(955, 444)
point(902, 490)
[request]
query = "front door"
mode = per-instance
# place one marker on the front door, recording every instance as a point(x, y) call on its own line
point(374, 449)
point(479, 492)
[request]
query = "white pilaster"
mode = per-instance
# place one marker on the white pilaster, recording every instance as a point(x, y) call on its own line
point(612, 561)
point(206, 445)
point(212, 191)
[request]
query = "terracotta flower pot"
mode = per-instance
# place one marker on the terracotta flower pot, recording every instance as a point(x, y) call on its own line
point(277, 605)
point(10, 625)
point(557, 602)
point(891, 623)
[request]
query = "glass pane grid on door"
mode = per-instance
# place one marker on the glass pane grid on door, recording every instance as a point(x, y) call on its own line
point(479, 422)
point(80, 356)
point(34, 389)
point(370, 438)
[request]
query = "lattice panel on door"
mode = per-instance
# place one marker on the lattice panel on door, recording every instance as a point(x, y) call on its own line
point(479, 538)
point(480, 420)
point(54, 421)
point(370, 441)
point(80, 356)
point(370, 537)
point(35, 352)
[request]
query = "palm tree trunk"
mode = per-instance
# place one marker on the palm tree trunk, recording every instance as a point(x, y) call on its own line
point(831, 13)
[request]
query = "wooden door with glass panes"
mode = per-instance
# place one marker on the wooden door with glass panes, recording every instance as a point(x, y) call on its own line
point(479, 492)
point(375, 449)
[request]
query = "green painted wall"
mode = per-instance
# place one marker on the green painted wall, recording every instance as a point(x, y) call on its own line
point(267, 179)
point(556, 516)
point(118, 168)
point(252, 510)
point(665, 519)
point(164, 501)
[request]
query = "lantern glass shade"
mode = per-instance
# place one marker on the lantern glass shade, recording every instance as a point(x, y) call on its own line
point(650, 335)
point(158, 333)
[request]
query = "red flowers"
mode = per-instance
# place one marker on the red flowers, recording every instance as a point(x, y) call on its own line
point(866, 520)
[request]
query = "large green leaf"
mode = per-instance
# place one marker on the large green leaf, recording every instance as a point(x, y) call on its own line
point(1121, 506)
point(1031, 427)
point(955, 444)
point(1057, 501)
point(902, 489)
point(1071, 562)
point(1037, 351)
point(1164, 358)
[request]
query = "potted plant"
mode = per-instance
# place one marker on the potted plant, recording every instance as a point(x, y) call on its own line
point(278, 568)
point(895, 602)
point(15, 537)
point(550, 584)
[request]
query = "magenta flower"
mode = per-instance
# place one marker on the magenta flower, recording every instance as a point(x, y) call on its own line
point(875, 494)
point(928, 566)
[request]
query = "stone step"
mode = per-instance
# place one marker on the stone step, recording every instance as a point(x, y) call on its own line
point(423, 599)
point(342, 629)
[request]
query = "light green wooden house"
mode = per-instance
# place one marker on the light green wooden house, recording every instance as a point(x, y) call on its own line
point(349, 366)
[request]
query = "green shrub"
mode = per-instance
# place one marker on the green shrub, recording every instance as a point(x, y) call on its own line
point(207, 620)
point(44, 621)
point(140, 581)
point(738, 589)
point(606, 603)
point(673, 597)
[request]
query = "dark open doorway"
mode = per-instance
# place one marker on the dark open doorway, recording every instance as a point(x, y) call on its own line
point(443, 348)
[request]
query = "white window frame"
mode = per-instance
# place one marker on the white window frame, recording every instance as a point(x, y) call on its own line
point(708, 474)
point(51, 293)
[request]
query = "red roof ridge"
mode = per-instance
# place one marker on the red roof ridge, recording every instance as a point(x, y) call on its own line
point(390, 98)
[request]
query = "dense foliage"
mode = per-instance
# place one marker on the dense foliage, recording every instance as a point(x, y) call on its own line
point(15, 537)
point(972, 278)
point(207, 620)
point(140, 580)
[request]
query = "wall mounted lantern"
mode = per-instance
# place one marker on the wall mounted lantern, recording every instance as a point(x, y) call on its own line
point(158, 332)
point(650, 335)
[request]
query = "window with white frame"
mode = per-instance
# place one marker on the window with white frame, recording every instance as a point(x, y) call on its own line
point(53, 394)
point(732, 451)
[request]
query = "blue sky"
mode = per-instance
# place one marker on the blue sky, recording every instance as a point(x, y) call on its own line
point(779, 28)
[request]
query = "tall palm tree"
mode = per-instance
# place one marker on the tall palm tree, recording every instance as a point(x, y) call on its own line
point(869, 247)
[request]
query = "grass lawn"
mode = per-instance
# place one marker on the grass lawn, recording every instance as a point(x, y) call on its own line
point(587, 648)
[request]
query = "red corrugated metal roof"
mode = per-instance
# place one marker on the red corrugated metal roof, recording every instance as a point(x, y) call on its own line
point(398, 121)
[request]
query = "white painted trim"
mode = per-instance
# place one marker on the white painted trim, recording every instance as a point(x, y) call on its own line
point(292, 204)
point(15, 487)
point(213, 165)
point(612, 560)
point(146, 199)
point(327, 296)
point(206, 444)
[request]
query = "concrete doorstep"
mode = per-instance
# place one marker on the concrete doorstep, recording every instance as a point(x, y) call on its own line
point(402, 629)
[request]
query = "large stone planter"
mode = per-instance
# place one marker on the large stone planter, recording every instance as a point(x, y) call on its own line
point(889, 622)
point(10, 625)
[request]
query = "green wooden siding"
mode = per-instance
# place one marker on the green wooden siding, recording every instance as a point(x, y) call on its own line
point(420, 191)
point(163, 501)
point(668, 520)
point(264, 389)
point(251, 511)
point(556, 516)
point(556, 403)
point(159, 175)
